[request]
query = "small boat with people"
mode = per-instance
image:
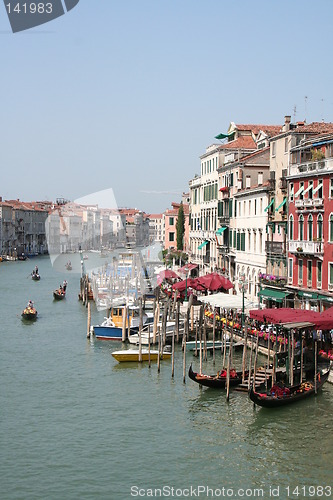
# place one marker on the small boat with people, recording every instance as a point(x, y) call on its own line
point(131, 355)
point(29, 313)
point(60, 293)
point(68, 266)
point(282, 394)
point(219, 380)
point(35, 276)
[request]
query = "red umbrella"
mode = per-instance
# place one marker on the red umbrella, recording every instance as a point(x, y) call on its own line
point(191, 283)
point(214, 282)
point(285, 315)
point(167, 274)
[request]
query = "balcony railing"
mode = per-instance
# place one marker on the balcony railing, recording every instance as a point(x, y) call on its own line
point(309, 202)
point(321, 166)
point(306, 247)
point(224, 219)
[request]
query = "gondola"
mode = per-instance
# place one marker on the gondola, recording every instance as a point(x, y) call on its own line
point(281, 395)
point(68, 266)
point(35, 277)
point(59, 294)
point(217, 381)
point(29, 313)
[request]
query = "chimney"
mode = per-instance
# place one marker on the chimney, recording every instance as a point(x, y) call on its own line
point(287, 120)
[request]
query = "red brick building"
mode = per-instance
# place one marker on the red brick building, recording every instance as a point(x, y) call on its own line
point(310, 221)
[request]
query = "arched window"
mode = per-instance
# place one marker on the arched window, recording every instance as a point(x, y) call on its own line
point(301, 228)
point(291, 228)
point(331, 227)
point(310, 227)
point(320, 227)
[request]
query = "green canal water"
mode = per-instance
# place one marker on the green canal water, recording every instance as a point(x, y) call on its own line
point(77, 425)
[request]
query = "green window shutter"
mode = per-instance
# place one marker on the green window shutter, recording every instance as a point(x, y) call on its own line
point(230, 208)
point(220, 209)
point(231, 180)
point(238, 241)
point(243, 242)
point(235, 208)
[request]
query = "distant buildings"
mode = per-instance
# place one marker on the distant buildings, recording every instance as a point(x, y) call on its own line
point(22, 227)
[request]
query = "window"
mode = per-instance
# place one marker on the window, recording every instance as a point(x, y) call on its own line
point(238, 241)
point(309, 272)
point(273, 148)
point(171, 221)
point(239, 208)
point(331, 188)
point(260, 178)
point(255, 207)
point(254, 241)
point(310, 228)
point(243, 242)
point(310, 192)
point(249, 213)
point(319, 271)
point(291, 228)
point(301, 184)
point(291, 191)
point(320, 190)
point(286, 145)
point(300, 271)
point(260, 242)
point(331, 228)
point(231, 180)
point(290, 270)
point(248, 181)
point(171, 236)
point(320, 227)
point(330, 274)
point(301, 228)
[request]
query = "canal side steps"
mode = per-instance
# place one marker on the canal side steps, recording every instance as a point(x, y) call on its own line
point(261, 379)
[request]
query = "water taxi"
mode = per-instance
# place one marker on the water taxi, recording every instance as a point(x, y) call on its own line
point(130, 355)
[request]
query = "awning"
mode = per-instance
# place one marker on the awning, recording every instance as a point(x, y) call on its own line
point(325, 297)
point(221, 229)
point(268, 206)
point(281, 205)
point(308, 188)
point(224, 136)
point(274, 295)
point(299, 191)
point(317, 188)
point(307, 295)
point(202, 245)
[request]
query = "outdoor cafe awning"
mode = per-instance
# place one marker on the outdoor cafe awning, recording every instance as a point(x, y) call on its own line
point(275, 295)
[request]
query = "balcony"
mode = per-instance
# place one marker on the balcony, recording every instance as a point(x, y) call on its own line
point(224, 220)
point(306, 247)
point(309, 203)
point(223, 249)
point(321, 166)
point(276, 247)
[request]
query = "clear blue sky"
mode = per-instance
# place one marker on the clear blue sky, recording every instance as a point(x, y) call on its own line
point(127, 94)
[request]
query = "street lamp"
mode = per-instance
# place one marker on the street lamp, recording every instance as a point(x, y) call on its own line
point(243, 289)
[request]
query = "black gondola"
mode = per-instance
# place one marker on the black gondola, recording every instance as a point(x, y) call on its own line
point(281, 395)
point(217, 381)
point(29, 313)
point(59, 294)
point(35, 276)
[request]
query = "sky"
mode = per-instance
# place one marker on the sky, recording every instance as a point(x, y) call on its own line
point(126, 95)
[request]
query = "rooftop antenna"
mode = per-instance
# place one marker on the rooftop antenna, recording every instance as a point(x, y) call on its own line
point(305, 103)
point(294, 118)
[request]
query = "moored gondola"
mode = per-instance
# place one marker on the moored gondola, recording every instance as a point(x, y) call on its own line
point(217, 381)
point(281, 395)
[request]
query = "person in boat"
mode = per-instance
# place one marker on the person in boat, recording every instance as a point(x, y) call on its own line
point(36, 270)
point(60, 289)
point(30, 305)
point(33, 273)
point(64, 285)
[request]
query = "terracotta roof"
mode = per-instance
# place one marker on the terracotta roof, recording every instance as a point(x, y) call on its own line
point(258, 152)
point(315, 127)
point(245, 141)
point(155, 216)
point(256, 128)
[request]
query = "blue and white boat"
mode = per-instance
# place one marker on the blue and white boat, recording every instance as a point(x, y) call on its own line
point(112, 327)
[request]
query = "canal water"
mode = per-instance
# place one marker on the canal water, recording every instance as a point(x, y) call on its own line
point(75, 424)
